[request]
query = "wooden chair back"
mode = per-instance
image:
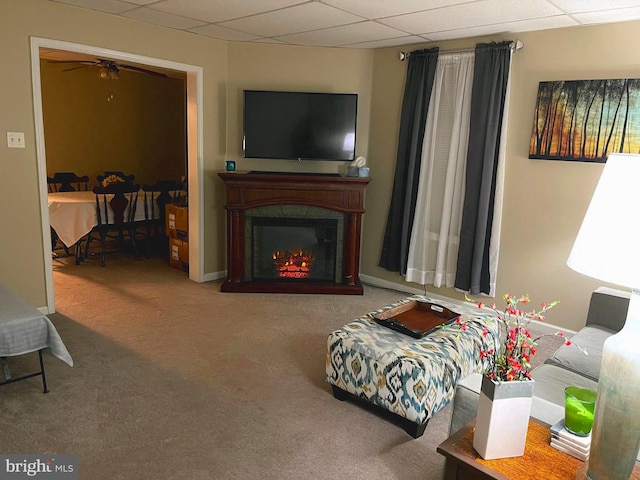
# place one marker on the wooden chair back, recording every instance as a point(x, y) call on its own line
point(116, 203)
point(158, 195)
point(67, 182)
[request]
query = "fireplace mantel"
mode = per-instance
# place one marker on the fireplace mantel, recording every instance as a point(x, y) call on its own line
point(249, 190)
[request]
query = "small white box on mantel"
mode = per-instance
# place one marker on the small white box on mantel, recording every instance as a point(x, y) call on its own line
point(358, 168)
point(357, 171)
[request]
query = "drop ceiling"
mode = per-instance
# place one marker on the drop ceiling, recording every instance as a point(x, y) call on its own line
point(363, 23)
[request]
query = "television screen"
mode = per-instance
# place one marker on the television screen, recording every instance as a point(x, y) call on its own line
point(298, 125)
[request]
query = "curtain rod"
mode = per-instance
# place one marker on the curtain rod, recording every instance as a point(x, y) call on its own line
point(515, 45)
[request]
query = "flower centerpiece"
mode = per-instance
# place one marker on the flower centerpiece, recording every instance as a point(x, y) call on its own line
point(111, 179)
point(506, 394)
point(509, 357)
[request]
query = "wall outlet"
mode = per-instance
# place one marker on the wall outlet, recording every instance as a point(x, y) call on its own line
point(15, 139)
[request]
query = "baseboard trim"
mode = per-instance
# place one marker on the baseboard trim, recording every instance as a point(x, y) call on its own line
point(378, 282)
point(209, 277)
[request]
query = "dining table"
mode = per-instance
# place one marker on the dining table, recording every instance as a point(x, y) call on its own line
point(74, 214)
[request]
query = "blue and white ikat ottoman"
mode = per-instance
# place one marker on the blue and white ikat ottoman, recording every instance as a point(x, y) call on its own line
point(412, 378)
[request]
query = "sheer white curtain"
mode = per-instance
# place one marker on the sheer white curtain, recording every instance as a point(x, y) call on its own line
point(433, 248)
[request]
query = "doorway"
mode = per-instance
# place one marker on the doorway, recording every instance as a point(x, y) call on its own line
point(194, 148)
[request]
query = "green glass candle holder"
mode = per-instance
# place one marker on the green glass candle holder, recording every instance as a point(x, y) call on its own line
point(579, 405)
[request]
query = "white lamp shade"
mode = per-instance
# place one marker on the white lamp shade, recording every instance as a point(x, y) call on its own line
point(608, 244)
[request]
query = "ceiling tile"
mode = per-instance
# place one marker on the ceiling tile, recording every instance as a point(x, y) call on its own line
point(390, 42)
point(344, 35)
point(343, 22)
point(618, 15)
point(388, 8)
point(301, 18)
point(161, 18)
point(221, 10)
point(485, 12)
point(268, 40)
point(509, 27)
point(141, 2)
point(224, 33)
point(579, 6)
point(107, 6)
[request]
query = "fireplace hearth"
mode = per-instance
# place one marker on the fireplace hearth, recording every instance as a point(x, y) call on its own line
point(293, 234)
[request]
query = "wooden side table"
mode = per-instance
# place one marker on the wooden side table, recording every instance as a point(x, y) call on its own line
point(540, 460)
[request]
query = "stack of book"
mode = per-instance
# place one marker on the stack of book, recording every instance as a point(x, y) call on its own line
point(567, 442)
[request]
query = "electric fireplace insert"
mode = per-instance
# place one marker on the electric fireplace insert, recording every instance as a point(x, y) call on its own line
point(293, 249)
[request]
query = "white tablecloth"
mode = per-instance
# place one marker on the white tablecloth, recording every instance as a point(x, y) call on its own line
point(24, 329)
point(73, 214)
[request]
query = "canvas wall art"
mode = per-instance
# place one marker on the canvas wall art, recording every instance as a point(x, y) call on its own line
point(586, 120)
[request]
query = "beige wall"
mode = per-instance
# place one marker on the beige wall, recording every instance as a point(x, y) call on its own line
point(136, 124)
point(544, 200)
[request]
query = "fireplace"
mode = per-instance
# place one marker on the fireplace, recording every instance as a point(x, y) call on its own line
point(290, 233)
point(285, 247)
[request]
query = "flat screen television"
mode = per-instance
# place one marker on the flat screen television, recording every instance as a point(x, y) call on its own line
point(299, 125)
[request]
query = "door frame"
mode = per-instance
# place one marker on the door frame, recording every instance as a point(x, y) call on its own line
point(195, 177)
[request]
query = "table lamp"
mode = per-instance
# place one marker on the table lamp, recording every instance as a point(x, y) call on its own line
point(608, 248)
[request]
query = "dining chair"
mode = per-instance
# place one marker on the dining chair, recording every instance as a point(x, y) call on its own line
point(117, 173)
point(156, 197)
point(66, 182)
point(116, 206)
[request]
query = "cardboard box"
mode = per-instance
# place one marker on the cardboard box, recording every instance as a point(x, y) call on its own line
point(179, 254)
point(177, 221)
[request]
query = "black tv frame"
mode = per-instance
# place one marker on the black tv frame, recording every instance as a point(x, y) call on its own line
point(316, 126)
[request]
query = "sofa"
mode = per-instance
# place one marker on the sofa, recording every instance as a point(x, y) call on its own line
point(567, 366)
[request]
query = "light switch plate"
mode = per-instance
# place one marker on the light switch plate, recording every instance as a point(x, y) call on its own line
point(15, 139)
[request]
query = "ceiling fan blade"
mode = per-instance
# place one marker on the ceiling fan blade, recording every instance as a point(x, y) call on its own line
point(85, 62)
point(142, 70)
point(109, 65)
point(75, 68)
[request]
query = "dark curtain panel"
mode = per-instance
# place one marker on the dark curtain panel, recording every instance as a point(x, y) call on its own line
point(415, 104)
point(490, 76)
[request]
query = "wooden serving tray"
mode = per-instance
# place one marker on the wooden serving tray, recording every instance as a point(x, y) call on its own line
point(416, 318)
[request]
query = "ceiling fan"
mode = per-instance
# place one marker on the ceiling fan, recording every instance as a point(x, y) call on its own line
point(108, 69)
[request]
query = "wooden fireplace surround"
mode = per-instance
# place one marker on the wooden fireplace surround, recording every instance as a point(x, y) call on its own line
point(250, 190)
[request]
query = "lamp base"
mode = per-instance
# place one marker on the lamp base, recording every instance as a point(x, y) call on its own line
point(615, 438)
point(582, 473)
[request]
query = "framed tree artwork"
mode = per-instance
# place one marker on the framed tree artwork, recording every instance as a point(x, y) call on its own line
point(586, 120)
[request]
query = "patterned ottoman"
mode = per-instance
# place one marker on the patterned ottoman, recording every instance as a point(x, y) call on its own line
point(412, 378)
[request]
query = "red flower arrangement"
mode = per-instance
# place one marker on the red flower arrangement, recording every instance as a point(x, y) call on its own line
point(509, 357)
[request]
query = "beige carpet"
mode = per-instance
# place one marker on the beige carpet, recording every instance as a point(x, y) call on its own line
point(175, 380)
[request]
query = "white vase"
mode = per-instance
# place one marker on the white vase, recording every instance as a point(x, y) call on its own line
point(502, 419)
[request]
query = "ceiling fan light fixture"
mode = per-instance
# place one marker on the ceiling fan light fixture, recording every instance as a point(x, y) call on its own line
point(109, 71)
